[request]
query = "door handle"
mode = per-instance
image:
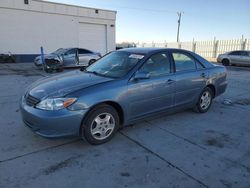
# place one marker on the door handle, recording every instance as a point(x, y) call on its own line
point(170, 81)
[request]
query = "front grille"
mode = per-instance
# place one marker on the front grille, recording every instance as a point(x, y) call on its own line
point(51, 61)
point(31, 101)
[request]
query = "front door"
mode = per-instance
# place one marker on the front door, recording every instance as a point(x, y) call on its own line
point(154, 93)
point(84, 57)
point(70, 57)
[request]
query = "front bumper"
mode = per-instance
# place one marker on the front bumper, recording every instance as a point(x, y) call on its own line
point(218, 60)
point(52, 124)
point(38, 62)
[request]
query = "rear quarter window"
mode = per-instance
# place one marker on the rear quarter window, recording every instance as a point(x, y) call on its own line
point(238, 53)
point(202, 60)
point(183, 62)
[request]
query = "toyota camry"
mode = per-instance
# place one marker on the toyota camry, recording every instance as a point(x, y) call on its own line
point(121, 88)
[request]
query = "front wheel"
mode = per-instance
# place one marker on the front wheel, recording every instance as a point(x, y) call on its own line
point(47, 70)
point(205, 101)
point(225, 62)
point(100, 124)
point(59, 69)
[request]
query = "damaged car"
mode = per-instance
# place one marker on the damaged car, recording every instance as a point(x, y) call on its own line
point(67, 57)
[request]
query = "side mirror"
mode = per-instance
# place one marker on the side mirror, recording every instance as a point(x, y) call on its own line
point(141, 75)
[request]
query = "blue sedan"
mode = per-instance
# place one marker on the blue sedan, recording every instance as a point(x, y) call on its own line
point(119, 89)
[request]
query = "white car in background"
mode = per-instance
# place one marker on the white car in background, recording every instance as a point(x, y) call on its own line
point(239, 57)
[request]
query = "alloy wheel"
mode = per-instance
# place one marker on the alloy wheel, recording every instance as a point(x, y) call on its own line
point(102, 126)
point(205, 100)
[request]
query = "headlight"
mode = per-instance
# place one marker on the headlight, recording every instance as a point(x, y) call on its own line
point(55, 104)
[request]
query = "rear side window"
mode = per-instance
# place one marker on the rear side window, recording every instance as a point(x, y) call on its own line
point(70, 52)
point(83, 51)
point(245, 53)
point(235, 53)
point(183, 62)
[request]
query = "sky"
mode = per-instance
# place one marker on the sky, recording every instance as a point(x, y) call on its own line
point(156, 20)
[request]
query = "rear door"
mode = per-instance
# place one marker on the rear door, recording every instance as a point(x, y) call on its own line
point(84, 57)
point(155, 93)
point(190, 77)
point(245, 57)
point(235, 57)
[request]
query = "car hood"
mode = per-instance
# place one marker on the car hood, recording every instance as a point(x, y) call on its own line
point(61, 85)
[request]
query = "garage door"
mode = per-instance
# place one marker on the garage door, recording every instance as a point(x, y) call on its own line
point(93, 37)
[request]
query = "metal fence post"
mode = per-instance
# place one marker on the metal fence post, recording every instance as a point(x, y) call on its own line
point(194, 46)
point(215, 48)
point(179, 45)
point(244, 44)
point(42, 55)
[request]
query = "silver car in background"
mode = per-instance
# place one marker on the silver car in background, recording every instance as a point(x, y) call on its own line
point(71, 57)
point(239, 57)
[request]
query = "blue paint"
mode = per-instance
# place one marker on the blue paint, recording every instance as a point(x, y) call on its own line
point(42, 54)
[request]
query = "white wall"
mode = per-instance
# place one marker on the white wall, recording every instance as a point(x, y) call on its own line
point(24, 28)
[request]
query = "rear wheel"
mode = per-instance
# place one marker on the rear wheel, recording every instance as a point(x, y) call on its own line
point(205, 101)
point(225, 62)
point(100, 124)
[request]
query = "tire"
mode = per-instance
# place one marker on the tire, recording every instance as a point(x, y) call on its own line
point(47, 70)
point(205, 101)
point(91, 61)
point(59, 69)
point(225, 62)
point(100, 125)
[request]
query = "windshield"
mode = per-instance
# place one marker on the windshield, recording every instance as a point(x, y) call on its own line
point(116, 64)
point(59, 51)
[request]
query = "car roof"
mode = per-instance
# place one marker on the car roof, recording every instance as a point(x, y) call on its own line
point(74, 48)
point(148, 50)
point(239, 51)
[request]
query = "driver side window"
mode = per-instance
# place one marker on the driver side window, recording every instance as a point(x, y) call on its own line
point(70, 52)
point(157, 65)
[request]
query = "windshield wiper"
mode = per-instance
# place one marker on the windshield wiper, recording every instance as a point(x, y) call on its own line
point(95, 73)
point(99, 74)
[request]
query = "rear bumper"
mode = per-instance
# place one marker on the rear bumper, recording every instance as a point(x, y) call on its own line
point(52, 124)
point(221, 88)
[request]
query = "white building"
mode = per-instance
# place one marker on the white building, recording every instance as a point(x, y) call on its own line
point(26, 25)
